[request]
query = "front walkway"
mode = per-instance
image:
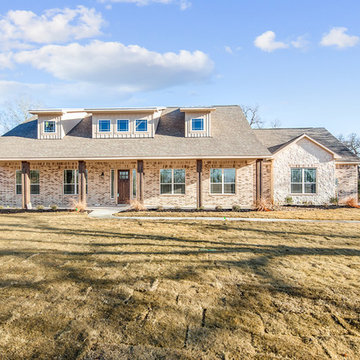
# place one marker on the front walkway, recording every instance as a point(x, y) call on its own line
point(108, 213)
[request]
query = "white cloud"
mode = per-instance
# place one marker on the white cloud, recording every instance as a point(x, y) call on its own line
point(300, 42)
point(337, 37)
point(21, 27)
point(5, 61)
point(228, 49)
point(128, 68)
point(184, 4)
point(267, 42)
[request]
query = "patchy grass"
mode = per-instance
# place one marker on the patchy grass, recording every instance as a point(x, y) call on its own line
point(284, 213)
point(74, 287)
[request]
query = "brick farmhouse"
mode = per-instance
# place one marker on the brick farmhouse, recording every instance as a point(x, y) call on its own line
point(170, 157)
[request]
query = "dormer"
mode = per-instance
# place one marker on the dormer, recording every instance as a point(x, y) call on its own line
point(56, 123)
point(125, 122)
point(198, 121)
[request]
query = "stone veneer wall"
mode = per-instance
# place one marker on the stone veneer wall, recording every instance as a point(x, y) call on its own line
point(51, 183)
point(304, 153)
point(347, 179)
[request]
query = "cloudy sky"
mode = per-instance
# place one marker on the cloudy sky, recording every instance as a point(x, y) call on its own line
point(298, 60)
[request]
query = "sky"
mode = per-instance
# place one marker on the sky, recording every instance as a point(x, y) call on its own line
point(298, 60)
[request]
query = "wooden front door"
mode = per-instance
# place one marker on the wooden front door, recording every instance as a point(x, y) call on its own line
point(123, 186)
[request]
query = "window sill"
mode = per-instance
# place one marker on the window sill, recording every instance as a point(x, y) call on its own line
point(168, 195)
point(303, 194)
point(222, 194)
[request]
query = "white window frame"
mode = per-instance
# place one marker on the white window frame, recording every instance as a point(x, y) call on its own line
point(102, 131)
point(49, 121)
point(20, 184)
point(76, 183)
point(136, 125)
point(303, 183)
point(202, 122)
point(173, 183)
point(117, 125)
point(222, 182)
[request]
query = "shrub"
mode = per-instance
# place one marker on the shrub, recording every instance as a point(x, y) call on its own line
point(334, 200)
point(236, 208)
point(54, 207)
point(352, 202)
point(289, 200)
point(264, 205)
point(40, 207)
point(218, 207)
point(79, 206)
point(137, 205)
point(200, 208)
point(160, 208)
point(177, 208)
point(307, 203)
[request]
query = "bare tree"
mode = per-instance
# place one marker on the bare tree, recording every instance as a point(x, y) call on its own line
point(352, 141)
point(252, 116)
point(15, 111)
point(276, 123)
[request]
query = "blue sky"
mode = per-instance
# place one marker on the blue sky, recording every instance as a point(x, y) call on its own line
point(298, 60)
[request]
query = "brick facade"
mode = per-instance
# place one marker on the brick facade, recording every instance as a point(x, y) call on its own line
point(347, 182)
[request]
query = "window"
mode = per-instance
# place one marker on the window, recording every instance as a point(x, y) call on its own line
point(197, 124)
point(134, 183)
point(34, 182)
point(104, 125)
point(303, 181)
point(49, 126)
point(222, 181)
point(71, 182)
point(172, 181)
point(112, 184)
point(141, 125)
point(123, 125)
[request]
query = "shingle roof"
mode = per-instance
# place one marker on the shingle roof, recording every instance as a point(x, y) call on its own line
point(275, 139)
point(231, 137)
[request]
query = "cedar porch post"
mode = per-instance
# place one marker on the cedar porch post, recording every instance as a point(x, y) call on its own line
point(25, 184)
point(140, 171)
point(199, 165)
point(259, 183)
point(82, 181)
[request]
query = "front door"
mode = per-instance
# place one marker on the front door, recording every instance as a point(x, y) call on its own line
point(124, 187)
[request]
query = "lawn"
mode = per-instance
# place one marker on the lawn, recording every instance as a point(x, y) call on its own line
point(74, 287)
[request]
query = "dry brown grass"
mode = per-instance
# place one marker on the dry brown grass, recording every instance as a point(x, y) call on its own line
point(137, 205)
point(79, 206)
point(352, 202)
point(286, 213)
point(73, 287)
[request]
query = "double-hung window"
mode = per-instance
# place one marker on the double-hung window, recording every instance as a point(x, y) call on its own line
point(303, 181)
point(141, 125)
point(104, 125)
point(49, 126)
point(71, 182)
point(34, 182)
point(197, 124)
point(122, 125)
point(172, 181)
point(222, 181)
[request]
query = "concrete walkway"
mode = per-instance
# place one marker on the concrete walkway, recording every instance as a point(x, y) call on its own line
point(108, 213)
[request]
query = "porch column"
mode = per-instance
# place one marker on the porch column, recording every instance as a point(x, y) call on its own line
point(199, 164)
point(259, 183)
point(140, 171)
point(82, 181)
point(25, 184)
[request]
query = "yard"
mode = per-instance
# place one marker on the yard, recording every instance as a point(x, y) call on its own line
point(74, 287)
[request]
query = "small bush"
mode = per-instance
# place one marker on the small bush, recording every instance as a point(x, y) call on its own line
point(236, 208)
point(200, 208)
point(79, 206)
point(1, 207)
point(334, 200)
point(218, 207)
point(137, 205)
point(40, 207)
point(53, 207)
point(160, 208)
point(307, 203)
point(177, 208)
point(289, 200)
point(352, 203)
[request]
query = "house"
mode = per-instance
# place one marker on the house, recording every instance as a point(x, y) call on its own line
point(171, 157)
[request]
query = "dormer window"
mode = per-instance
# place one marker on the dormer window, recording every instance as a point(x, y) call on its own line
point(123, 125)
point(141, 125)
point(49, 126)
point(104, 125)
point(197, 124)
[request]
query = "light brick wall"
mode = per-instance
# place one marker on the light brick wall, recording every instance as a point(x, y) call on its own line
point(52, 173)
point(304, 153)
point(347, 180)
